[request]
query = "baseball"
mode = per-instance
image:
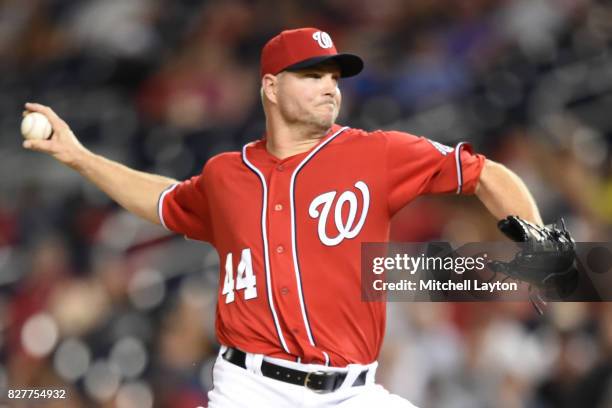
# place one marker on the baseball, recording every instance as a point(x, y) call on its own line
point(36, 126)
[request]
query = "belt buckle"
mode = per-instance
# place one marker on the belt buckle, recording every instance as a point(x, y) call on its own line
point(307, 381)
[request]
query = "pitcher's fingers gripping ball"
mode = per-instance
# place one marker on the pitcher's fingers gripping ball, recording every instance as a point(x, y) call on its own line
point(37, 115)
point(48, 133)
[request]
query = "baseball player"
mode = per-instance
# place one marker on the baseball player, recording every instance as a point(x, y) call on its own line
point(287, 215)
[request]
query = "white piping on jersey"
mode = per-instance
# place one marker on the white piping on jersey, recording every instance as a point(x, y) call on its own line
point(293, 238)
point(458, 164)
point(160, 203)
point(326, 358)
point(264, 232)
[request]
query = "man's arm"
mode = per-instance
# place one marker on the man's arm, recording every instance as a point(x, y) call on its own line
point(136, 191)
point(504, 193)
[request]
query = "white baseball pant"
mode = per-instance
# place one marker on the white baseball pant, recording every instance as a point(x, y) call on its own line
point(235, 386)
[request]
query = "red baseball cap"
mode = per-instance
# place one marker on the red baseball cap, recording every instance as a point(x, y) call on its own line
point(302, 48)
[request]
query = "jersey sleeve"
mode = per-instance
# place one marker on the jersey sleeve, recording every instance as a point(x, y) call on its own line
point(419, 166)
point(183, 208)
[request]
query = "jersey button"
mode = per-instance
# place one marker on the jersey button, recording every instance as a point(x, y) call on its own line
point(284, 290)
point(280, 167)
point(278, 207)
point(280, 249)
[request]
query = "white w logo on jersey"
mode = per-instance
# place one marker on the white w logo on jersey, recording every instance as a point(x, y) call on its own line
point(345, 230)
point(323, 39)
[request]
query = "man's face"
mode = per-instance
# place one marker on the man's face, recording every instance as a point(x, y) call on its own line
point(310, 96)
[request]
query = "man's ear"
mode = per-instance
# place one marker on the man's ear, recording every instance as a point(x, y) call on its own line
point(269, 87)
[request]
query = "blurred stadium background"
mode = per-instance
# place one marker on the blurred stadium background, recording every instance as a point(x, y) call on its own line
point(95, 301)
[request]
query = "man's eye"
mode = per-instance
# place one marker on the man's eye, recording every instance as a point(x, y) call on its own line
point(313, 75)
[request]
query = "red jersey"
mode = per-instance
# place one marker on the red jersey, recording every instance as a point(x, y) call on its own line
point(289, 232)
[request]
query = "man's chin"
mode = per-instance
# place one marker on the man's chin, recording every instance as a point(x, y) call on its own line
point(326, 122)
point(322, 123)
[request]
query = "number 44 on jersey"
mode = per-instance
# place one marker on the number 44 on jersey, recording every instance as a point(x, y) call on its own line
point(245, 278)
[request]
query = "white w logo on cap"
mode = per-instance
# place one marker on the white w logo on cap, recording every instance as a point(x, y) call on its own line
point(323, 39)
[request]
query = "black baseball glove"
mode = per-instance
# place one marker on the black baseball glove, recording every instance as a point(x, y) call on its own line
point(545, 259)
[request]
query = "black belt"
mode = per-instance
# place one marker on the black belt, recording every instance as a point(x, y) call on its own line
point(318, 381)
